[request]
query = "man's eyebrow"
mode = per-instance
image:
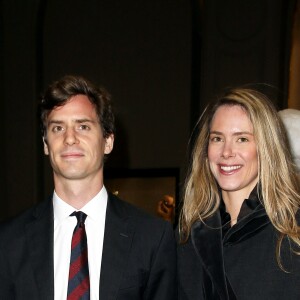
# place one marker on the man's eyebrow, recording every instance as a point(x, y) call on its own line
point(54, 122)
point(83, 120)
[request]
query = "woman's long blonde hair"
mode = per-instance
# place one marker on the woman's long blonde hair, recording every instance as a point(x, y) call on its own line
point(276, 174)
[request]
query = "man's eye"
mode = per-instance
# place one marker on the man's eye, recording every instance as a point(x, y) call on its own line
point(84, 127)
point(57, 128)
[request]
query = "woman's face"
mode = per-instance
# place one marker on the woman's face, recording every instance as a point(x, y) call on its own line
point(232, 151)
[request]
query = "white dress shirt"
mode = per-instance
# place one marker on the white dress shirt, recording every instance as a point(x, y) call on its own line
point(64, 226)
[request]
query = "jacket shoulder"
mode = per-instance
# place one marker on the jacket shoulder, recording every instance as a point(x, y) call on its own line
point(144, 221)
point(14, 226)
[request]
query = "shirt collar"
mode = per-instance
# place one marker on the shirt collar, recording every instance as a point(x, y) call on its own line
point(95, 209)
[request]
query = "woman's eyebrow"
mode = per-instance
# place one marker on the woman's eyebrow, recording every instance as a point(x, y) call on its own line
point(235, 133)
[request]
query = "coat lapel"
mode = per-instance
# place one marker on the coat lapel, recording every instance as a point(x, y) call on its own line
point(118, 236)
point(207, 241)
point(39, 234)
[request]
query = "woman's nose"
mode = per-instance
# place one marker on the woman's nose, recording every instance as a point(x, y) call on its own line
point(228, 150)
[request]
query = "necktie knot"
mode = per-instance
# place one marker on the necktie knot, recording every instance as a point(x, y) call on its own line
point(81, 216)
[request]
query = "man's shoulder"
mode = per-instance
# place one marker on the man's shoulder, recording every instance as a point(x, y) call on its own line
point(16, 224)
point(136, 214)
point(148, 231)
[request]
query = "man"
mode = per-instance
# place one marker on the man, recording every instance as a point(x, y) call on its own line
point(129, 254)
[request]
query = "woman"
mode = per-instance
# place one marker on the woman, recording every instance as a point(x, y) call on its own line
point(239, 234)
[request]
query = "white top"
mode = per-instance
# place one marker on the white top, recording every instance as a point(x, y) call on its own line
point(63, 230)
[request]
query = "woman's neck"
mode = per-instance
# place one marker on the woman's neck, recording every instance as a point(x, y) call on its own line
point(233, 201)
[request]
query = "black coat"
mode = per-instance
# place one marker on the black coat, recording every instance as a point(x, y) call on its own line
point(239, 264)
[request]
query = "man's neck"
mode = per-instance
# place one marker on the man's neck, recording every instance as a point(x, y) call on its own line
point(77, 193)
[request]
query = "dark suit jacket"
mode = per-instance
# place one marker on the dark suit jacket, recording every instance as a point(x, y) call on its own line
point(138, 260)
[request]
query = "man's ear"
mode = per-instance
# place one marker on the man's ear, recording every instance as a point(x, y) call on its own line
point(46, 150)
point(109, 144)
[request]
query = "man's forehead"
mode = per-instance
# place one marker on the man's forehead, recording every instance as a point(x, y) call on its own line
point(76, 108)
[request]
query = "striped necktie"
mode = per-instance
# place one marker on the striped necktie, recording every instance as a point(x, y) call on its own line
point(79, 281)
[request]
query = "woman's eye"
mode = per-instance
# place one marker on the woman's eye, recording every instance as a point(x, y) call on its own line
point(243, 140)
point(216, 139)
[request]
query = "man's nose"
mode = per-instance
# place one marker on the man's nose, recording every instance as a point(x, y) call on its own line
point(70, 137)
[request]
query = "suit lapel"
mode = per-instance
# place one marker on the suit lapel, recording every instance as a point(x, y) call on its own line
point(118, 236)
point(39, 235)
point(207, 241)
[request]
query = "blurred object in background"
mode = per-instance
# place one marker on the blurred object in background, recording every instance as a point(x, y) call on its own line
point(294, 74)
point(166, 208)
point(291, 120)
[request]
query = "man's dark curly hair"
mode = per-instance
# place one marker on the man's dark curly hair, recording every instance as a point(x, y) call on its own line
point(60, 91)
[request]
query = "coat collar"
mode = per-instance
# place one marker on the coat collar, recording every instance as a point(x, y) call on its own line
point(39, 233)
point(251, 219)
point(207, 241)
point(118, 236)
point(247, 226)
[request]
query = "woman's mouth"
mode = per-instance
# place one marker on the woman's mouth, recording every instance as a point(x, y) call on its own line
point(225, 169)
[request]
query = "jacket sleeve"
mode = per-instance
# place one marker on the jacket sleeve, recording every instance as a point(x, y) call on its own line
point(6, 286)
point(162, 281)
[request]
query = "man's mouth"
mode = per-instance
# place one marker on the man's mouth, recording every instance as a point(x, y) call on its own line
point(72, 155)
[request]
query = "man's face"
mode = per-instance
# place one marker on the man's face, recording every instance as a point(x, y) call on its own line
point(75, 142)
